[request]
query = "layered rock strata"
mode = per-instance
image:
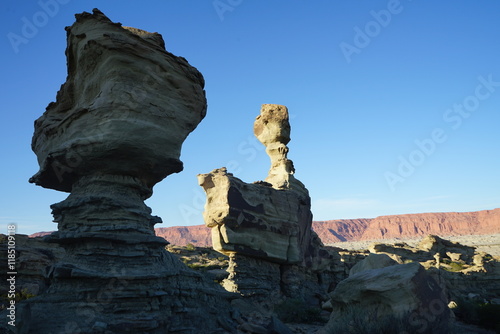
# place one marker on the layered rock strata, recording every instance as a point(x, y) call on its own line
point(402, 293)
point(33, 256)
point(460, 270)
point(265, 226)
point(115, 130)
point(268, 219)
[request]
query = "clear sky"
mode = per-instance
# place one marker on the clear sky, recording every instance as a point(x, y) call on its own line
point(395, 105)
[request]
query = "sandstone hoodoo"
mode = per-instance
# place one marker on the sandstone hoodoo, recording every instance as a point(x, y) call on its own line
point(115, 130)
point(265, 226)
point(269, 219)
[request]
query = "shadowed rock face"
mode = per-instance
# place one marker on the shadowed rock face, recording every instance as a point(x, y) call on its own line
point(125, 96)
point(276, 229)
point(116, 130)
point(403, 291)
point(271, 219)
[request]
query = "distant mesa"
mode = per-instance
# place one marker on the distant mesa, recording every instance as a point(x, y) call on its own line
point(383, 227)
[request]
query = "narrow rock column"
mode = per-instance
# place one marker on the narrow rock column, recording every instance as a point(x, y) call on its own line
point(272, 128)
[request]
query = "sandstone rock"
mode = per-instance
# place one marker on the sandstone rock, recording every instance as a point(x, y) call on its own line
point(458, 269)
point(272, 129)
point(33, 257)
point(265, 227)
point(403, 291)
point(403, 251)
point(275, 229)
point(446, 248)
point(340, 230)
point(270, 220)
point(197, 235)
point(125, 96)
point(373, 261)
point(116, 130)
point(252, 277)
point(258, 320)
point(449, 223)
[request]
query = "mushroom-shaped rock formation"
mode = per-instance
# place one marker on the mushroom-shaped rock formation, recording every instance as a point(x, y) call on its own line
point(269, 219)
point(125, 96)
point(116, 130)
point(265, 227)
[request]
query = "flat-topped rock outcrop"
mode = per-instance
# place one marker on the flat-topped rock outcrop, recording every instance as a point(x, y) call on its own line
point(268, 219)
point(442, 223)
point(124, 96)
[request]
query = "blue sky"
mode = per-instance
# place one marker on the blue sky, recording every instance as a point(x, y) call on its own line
point(395, 105)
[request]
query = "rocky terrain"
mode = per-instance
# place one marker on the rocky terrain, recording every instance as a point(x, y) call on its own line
point(450, 223)
point(116, 129)
point(384, 227)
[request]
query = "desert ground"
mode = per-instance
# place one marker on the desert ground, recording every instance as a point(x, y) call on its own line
point(489, 243)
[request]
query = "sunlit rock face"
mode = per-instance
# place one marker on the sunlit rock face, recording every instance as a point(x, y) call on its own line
point(268, 219)
point(403, 293)
point(116, 130)
point(265, 227)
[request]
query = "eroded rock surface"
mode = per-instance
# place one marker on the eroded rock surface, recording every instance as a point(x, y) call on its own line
point(276, 229)
point(125, 96)
point(460, 269)
point(268, 219)
point(115, 130)
point(372, 261)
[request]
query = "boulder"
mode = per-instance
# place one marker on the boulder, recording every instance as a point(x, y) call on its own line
point(115, 130)
point(372, 261)
point(446, 249)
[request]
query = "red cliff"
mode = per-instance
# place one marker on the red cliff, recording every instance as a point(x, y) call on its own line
point(383, 227)
point(443, 224)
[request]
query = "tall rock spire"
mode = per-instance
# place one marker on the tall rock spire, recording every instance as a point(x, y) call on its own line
point(116, 130)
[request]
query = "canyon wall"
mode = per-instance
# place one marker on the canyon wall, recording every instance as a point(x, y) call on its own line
point(383, 227)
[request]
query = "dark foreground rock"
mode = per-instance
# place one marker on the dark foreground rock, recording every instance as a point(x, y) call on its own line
point(115, 130)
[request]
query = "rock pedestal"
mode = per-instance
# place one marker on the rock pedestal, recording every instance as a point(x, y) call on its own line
point(116, 130)
point(265, 227)
point(268, 219)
